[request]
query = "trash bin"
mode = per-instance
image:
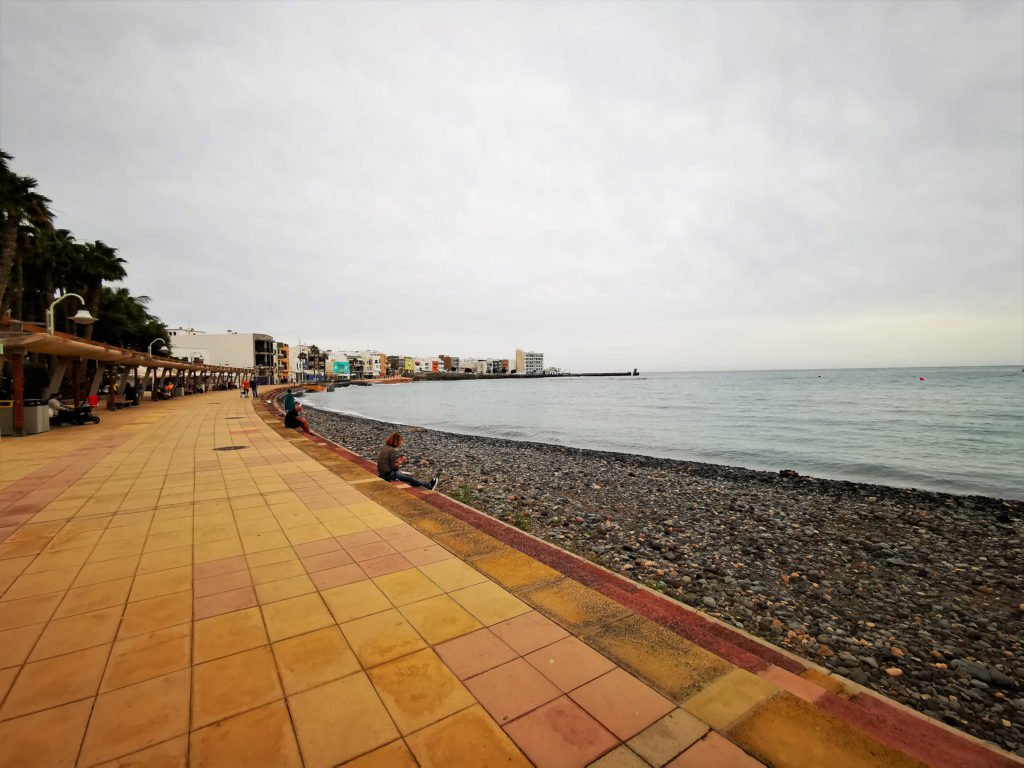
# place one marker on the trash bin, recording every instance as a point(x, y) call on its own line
point(6, 417)
point(37, 416)
point(94, 400)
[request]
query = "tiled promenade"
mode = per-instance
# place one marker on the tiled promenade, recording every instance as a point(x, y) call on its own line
point(166, 603)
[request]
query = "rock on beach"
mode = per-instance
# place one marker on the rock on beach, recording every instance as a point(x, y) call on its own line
point(918, 595)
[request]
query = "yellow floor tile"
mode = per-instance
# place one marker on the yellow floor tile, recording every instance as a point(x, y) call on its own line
point(282, 589)
point(789, 732)
point(130, 719)
point(439, 618)
point(355, 600)
point(143, 657)
point(489, 603)
point(261, 738)
point(48, 739)
point(233, 684)
point(309, 660)
point(469, 737)
point(406, 586)
point(729, 697)
point(418, 690)
point(393, 755)
point(340, 720)
point(156, 613)
point(381, 637)
point(452, 574)
point(295, 616)
point(94, 597)
point(229, 633)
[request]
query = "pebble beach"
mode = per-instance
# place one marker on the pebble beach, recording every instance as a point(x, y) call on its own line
point(917, 595)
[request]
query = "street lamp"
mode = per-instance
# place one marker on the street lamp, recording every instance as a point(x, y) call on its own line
point(163, 349)
point(82, 316)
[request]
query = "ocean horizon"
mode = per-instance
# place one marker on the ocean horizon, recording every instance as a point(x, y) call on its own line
point(951, 429)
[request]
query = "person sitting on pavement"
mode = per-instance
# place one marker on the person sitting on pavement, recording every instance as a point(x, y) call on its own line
point(56, 406)
point(293, 419)
point(389, 461)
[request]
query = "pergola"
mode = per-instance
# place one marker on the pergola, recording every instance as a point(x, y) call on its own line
point(19, 339)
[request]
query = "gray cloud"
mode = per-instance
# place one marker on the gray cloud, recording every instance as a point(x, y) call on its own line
point(694, 185)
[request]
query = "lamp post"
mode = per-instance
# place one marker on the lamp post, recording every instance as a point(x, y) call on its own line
point(162, 349)
point(82, 316)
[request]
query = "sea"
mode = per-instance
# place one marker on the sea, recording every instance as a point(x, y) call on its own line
point(954, 430)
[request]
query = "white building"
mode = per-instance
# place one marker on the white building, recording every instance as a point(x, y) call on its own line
point(236, 350)
point(529, 363)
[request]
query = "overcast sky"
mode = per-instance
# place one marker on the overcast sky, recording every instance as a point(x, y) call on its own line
point(670, 186)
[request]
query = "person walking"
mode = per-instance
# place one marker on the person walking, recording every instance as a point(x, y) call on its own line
point(254, 388)
point(289, 400)
point(388, 462)
point(245, 389)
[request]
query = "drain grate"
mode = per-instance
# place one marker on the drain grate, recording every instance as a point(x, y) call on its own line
point(232, 448)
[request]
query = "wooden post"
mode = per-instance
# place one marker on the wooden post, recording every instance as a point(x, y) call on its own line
point(18, 375)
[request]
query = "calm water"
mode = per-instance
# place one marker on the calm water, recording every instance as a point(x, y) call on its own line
point(960, 430)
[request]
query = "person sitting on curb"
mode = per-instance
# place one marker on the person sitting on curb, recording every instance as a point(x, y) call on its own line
point(56, 406)
point(293, 419)
point(389, 461)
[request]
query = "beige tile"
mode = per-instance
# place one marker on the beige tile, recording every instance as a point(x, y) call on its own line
point(139, 716)
point(340, 720)
point(668, 737)
point(229, 633)
point(233, 684)
point(260, 738)
point(314, 658)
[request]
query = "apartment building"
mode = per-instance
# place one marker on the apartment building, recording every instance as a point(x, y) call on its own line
point(233, 349)
point(529, 363)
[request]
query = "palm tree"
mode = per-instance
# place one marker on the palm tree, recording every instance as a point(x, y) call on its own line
point(20, 208)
